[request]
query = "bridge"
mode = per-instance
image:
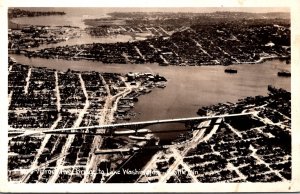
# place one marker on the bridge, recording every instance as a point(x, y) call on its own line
point(131, 150)
point(137, 126)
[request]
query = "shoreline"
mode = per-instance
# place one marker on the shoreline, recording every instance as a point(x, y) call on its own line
point(261, 60)
point(107, 112)
point(18, 13)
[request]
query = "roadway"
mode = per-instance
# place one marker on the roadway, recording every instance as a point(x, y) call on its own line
point(147, 123)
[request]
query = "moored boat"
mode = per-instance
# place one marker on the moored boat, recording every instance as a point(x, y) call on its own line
point(230, 71)
point(284, 74)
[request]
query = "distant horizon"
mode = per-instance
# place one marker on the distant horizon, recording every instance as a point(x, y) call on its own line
point(167, 9)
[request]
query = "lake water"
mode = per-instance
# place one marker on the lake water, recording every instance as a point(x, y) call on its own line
point(188, 88)
point(73, 16)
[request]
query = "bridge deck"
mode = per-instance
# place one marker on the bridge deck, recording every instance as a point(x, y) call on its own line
point(147, 123)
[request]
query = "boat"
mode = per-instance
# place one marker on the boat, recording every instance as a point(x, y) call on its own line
point(284, 74)
point(161, 85)
point(230, 71)
point(145, 90)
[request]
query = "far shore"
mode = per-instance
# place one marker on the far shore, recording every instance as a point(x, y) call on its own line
point(261, 60)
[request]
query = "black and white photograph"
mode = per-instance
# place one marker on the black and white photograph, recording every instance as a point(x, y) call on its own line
point(156, 95)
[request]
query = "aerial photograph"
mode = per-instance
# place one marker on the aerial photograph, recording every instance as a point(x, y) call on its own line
point(149, 95)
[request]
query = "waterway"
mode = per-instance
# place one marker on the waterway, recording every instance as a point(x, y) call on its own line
point(188, 88)
point(73, 16)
